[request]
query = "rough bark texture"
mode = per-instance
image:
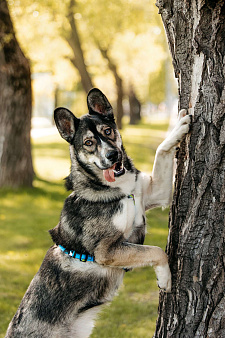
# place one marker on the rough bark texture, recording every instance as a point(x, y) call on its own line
point(196, 244)
point(74, 42)
point(15, 108)
point(119, 86)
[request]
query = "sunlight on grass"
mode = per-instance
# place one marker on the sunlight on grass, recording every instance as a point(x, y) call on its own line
point(26, 215)
point(51, 158)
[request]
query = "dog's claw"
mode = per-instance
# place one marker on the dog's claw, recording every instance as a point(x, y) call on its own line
point(164, 289)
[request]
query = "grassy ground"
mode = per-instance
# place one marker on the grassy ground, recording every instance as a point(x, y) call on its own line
point(26, 215)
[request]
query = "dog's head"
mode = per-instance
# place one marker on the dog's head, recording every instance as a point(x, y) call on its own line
point(94, 138)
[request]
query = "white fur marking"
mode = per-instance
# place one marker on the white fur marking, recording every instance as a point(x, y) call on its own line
point(124, 220)
point(84, 324)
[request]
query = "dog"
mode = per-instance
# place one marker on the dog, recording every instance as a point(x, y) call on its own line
point(102, 226)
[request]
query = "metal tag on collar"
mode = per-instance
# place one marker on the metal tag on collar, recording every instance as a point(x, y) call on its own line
point(83, 258)
point(132, 196)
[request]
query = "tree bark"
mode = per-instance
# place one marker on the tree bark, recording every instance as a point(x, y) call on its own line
point(196, 244)
point(135, 107)
point(119, 86)
point(15, 108)
point(74, 42)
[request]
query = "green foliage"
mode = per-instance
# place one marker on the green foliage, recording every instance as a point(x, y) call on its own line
point(26, 215)
point(157, 86)
point(131, 31)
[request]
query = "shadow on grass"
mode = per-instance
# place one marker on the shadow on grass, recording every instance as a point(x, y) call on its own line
point(52, 190)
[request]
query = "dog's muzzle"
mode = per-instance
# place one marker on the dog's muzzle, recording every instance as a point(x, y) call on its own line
point(113, 155)
point(117, 169)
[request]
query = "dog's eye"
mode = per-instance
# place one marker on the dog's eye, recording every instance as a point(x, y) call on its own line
point(88, 143)
point(108, 131)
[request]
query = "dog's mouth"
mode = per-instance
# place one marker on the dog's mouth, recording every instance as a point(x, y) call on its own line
point(115, 171)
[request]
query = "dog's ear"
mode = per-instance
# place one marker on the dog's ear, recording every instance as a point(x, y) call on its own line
point(98, 103)
point(66, 123)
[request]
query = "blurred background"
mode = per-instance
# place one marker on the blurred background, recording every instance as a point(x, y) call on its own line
point(118, 46)
point(60, 50)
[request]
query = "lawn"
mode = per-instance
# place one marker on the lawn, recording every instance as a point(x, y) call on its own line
point(26, 215)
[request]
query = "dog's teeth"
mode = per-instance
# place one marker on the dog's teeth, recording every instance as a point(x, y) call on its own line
point(118, 170)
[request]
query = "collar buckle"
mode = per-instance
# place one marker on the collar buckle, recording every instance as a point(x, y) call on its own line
point(132, 196)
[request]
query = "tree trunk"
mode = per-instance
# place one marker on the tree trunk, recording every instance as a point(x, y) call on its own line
point(196, 245)
point(74, 42)
point(15, 108)
point(135, 107)
point(119, 86)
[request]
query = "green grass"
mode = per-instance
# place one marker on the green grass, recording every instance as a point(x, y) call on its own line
point(26, 215)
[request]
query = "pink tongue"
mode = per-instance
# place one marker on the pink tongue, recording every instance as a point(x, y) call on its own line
point(109, 174)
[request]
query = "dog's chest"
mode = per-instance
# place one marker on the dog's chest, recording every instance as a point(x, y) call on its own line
point(130, 214)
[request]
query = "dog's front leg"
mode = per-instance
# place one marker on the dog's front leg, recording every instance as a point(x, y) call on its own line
point(127, 255)
point(159, 190)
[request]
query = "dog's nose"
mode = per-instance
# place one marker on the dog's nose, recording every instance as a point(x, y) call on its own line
point(112, 155)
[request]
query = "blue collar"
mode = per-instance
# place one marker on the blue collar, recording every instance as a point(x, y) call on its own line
point(81, 257)
point(74, 254)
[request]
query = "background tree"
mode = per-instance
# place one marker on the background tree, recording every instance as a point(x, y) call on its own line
point(130, 33)
point(119, 85)
point(196, 247)
point(15, 108)
point(73, 38)
point(118, 20)
point(135, 106)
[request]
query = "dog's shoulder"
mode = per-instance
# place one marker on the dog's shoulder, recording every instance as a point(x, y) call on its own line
point(84, 222)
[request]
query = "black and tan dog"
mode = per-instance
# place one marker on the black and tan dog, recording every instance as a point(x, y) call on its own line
point(101, 229)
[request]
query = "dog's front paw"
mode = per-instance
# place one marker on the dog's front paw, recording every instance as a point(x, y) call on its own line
point(163, 275)
point(182, 113)
point(183, 126)
point(177, 134)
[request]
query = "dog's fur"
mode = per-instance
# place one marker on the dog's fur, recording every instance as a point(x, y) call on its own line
point(98, 218)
